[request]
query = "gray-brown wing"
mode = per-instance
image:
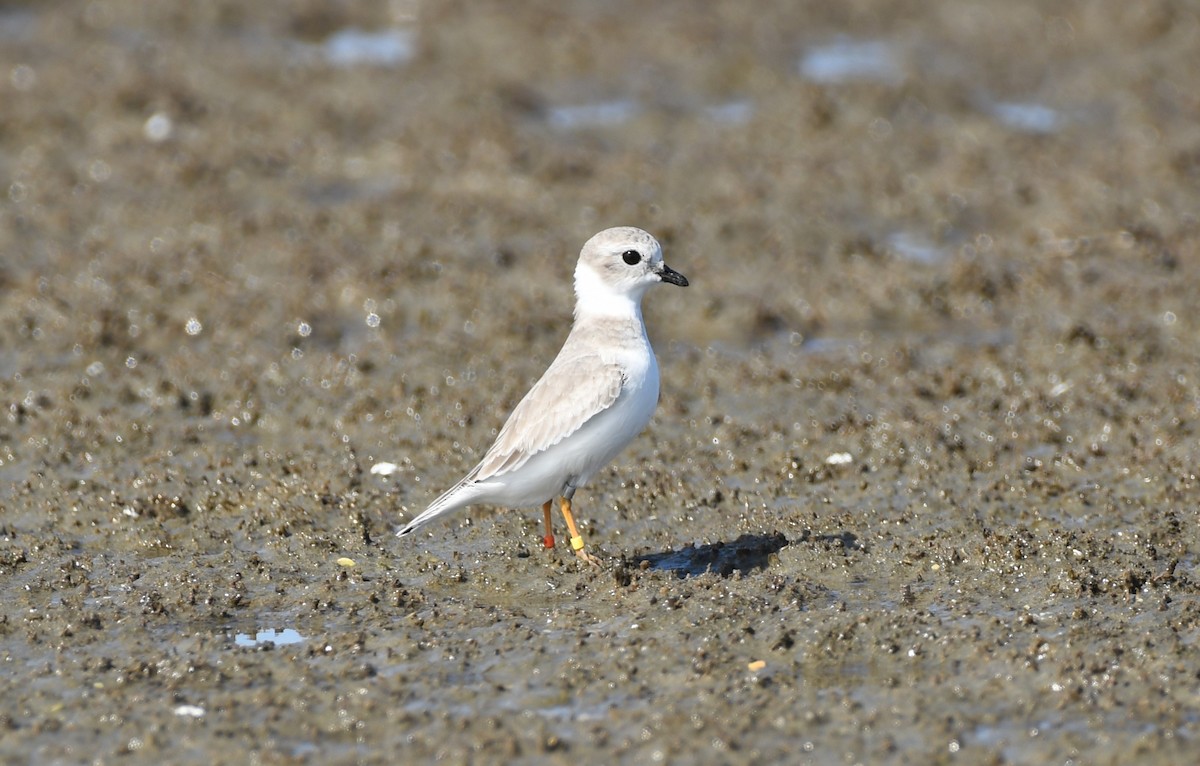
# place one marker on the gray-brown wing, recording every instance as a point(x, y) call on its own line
point(571, 392)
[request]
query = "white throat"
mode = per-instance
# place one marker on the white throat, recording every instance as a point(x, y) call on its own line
point(596, 298)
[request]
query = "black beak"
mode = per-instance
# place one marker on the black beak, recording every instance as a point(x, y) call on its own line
point(668, 274)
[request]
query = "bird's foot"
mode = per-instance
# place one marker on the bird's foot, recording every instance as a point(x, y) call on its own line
point(589, 558)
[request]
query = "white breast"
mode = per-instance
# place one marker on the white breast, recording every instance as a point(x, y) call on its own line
point(574, 460)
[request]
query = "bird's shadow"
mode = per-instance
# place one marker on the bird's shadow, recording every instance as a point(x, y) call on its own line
point(748, 552)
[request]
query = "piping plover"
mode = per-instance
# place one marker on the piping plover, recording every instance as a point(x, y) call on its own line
point(598, 393)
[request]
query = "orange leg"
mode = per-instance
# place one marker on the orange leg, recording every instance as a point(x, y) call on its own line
point(576, 538)
point(548, 540)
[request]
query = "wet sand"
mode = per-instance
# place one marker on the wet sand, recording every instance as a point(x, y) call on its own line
point(921, 487)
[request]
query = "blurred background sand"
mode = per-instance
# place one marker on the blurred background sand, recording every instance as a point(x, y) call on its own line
point(926, 445)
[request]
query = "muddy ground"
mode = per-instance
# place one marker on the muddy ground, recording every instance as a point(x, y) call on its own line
point(921, 487)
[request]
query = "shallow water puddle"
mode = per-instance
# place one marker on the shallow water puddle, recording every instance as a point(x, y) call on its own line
point(620, 111)
point(269, 636)
point(386, 47)
point(595, 114)
point(16, 25)
point(849, 60)
point(730, 112)
point(915, 248)
point(1027, 117)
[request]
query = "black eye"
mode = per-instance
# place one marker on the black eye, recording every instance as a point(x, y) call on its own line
point(631, 256)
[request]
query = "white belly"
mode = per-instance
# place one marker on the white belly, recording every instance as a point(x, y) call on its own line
point(577, 458)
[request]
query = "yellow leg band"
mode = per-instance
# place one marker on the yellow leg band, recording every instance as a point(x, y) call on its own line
point(577, 543)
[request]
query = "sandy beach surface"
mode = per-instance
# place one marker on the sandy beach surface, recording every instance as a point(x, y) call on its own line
point(921, 487)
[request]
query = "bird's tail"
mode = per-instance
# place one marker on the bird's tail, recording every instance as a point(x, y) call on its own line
point(457, 497)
